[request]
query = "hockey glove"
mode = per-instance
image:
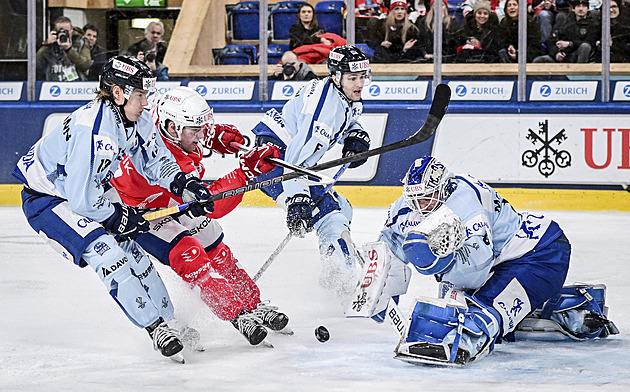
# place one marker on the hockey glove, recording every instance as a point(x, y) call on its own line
point(189, 188)
point(126, 222)
point(224, 134)
point(253, 162)
point(299, 215)
point(356, 142)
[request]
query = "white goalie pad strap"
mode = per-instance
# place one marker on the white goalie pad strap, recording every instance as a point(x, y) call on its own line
point(383, 276)
point(444, 230)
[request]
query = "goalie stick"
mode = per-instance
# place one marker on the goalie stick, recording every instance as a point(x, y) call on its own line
point(438, 108)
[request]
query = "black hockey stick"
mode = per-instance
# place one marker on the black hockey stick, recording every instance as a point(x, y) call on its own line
point(290, 235)
point(436, 112)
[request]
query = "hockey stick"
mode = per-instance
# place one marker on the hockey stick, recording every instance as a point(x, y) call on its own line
point(290, 235)
point(321, 178)
point(436, 112)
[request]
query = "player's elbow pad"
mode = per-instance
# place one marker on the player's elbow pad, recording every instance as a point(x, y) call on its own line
point(419, 253)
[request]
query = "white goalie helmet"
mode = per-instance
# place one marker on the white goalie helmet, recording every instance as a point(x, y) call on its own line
point(427, 184)
point(185, 108)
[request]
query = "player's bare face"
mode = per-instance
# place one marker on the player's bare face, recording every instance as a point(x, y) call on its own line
point(135, 104)
point(352, 84)
point(190, 138)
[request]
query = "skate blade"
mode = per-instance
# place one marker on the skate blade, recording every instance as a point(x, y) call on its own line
point(179, 358)
point(426, 361)
point(285, 331)
point(265, 343)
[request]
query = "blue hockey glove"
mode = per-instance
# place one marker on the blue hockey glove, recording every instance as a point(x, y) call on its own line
point(355, 143)
point(126, 222)
point(299, 215)
point(189, 188)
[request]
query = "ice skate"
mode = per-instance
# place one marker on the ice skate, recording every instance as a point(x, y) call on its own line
point(251, 327)
point(271, 318)
point(165, 340)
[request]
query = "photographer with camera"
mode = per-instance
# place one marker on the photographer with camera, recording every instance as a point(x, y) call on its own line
point(65, 55)
point(147, 53)
point(292, 68)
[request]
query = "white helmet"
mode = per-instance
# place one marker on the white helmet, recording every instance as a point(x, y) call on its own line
point(185, 108)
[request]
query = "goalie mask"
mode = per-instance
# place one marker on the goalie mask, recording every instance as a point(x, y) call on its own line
point(185, 108)
point(427, 184)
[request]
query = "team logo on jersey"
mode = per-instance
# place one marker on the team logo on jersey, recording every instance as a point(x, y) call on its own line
point(101, 248)
point(547, 149)
point(141, 303)
point(528, 230)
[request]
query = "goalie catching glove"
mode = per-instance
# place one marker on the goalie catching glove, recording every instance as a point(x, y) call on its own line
point(126, 222)
point(255, 162)
point(223, 137)
point(431, 245)
point(300, 215)
point(357, 141)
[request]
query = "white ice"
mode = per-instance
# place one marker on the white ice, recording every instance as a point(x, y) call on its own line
point(60, 330)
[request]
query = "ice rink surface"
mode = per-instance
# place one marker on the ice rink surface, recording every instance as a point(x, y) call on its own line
point(61, 331)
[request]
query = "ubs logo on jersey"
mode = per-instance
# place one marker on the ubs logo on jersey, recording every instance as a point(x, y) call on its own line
point(547, 154)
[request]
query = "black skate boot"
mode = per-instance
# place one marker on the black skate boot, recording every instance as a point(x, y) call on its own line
point(271, 318)
point(250, 326)
point(165, 339)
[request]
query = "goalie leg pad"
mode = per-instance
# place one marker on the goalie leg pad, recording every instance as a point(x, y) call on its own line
point(384, 276)
point(578, 311)
point(446, 332)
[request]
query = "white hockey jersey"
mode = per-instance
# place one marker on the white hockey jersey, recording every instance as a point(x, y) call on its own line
point(495, 232)
point(78, 158)
point(310, 124)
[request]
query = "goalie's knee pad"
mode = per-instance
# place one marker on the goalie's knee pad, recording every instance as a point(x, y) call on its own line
point(444, 331)
point(579, 310)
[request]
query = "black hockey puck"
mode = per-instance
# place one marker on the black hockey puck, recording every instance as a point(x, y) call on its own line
point(322, 334)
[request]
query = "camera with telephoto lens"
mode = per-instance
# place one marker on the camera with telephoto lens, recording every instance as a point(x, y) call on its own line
point(150, 56)
point(62, 35)
point(288, 69)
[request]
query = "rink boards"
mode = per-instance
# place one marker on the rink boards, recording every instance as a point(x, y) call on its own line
point(569, 155)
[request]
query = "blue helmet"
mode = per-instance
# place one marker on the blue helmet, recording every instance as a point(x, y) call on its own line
point(427, 184)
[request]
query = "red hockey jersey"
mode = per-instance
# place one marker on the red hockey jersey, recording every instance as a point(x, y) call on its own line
point(134, 190)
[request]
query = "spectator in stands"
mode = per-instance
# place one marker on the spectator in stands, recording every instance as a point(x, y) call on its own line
point(153, 33)
point(449, 31)
point(478, 40)
point(496, 6)
point(306, 30)
point(573, 40)
point(147, 53)
point(90, 32)
point(509, 35)
point(619, 34)
point(394, 38)
point(543, 12)
point(318, 53)
point(292, 68)
point(65, 55)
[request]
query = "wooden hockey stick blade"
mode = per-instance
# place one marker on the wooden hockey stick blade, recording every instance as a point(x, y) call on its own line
point(436, 112)
point(319, 177)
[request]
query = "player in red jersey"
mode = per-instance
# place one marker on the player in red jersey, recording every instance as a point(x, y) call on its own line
point(192, 243)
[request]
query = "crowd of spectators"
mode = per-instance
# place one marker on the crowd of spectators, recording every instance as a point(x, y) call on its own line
point(72, 54)
point(397, 31)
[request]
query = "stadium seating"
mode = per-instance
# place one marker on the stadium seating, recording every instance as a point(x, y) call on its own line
point(275, 51)
point(235, 54)
point(244, 19)
point(282, 16)
point(330, 16)
point(366, 49)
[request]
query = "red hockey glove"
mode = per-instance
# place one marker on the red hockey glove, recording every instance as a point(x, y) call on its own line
point(224, 134)
point(253, 163)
